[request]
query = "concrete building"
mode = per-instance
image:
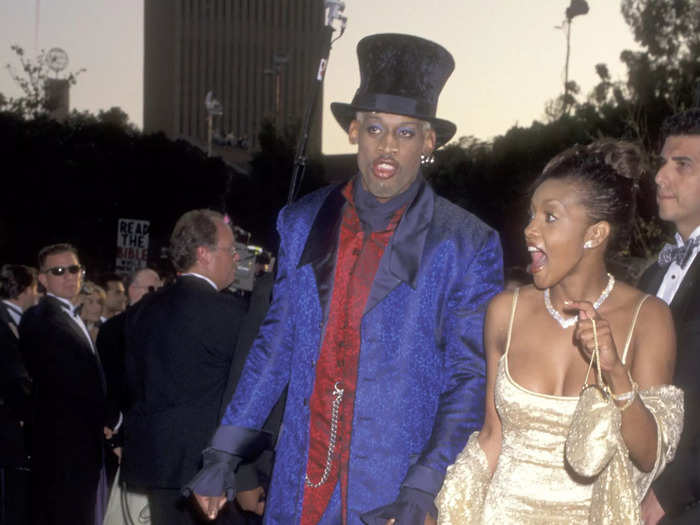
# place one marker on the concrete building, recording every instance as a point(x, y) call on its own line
point(258, 57)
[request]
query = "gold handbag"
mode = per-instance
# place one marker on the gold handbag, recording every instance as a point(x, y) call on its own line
point(595, 426)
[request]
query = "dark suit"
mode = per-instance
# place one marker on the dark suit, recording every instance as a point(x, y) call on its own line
point(69, 403)
point(110, 345)
point(678, 487)
point(180, 343)
point(14, 415)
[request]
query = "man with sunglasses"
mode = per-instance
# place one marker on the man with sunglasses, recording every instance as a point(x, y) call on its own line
point(69, 396)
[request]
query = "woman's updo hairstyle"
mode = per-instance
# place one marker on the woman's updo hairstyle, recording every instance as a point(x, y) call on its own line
point(607, 174)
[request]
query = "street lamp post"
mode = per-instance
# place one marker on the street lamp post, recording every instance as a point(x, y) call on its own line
point(214, 108)
point(278, 62)
point(576, 8)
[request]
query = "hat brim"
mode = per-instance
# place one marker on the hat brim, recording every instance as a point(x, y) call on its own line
point(345, 114)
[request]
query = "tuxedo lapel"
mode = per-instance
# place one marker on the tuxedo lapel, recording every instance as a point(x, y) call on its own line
point(6, 318)
point(652, 278)
point(61, 316)
point(685, 292)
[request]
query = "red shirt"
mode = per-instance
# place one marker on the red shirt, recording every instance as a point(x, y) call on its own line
point(357, 261)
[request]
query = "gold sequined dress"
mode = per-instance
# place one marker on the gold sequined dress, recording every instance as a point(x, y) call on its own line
point(531, 484)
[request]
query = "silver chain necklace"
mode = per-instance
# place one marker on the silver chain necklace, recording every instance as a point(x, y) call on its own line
point(566, 322)
point(337, 398)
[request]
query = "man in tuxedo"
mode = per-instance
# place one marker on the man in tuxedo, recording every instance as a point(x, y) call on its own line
point(180, 342)
point(68, 396)
point(111, 345)
point(675, 278)
point(18, 292)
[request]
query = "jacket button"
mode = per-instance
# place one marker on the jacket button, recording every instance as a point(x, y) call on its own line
point(306, 401)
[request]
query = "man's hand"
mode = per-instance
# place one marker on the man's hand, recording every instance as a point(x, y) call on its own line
point(118, 452)
point(210, 505)
point(252, 500)
point(651, 509)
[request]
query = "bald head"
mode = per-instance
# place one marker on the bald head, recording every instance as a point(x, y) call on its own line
point(142, 282)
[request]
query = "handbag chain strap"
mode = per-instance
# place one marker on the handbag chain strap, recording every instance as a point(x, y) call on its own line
point(595, 356)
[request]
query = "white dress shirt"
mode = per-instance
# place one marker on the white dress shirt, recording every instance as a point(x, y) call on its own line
point(200, 276)
point(675, 274)
point(14, 311)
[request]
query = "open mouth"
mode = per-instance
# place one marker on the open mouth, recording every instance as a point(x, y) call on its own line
point(384, 168)
point(538, 259)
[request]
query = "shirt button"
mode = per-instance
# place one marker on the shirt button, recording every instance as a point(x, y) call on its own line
point(673, 277)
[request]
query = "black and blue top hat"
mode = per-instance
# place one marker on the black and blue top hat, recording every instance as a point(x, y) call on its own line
point(400, 74)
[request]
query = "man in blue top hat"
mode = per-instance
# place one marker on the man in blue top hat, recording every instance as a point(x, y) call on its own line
point(376, 320)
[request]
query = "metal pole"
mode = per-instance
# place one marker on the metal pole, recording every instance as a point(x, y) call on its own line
point(566, 67)
point(210, 125)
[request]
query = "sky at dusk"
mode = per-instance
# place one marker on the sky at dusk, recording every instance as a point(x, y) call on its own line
point(509, 55)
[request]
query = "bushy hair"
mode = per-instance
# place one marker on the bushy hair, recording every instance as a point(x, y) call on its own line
point(54, 249)
point(685, 123)
point(607, 174)
point(108, 277)
point(15, 279)
point(195, 228)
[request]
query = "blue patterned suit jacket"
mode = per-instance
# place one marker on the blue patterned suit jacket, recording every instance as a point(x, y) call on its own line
point(421, 378)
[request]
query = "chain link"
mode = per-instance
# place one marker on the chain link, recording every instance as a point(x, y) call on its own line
point(337, 398)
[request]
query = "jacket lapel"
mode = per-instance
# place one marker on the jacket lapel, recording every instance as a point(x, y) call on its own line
point(401, 259)
point(62, 317)
point(6, 318)
point(322, 244)
point(688, 287)
point(651, 279)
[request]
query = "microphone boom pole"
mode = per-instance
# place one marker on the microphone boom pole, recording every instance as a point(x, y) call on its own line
point(334, 9)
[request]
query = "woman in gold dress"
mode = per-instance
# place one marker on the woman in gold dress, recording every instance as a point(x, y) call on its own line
point(539, 340)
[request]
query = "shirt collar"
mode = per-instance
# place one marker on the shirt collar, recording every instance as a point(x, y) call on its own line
point(12, 306)
point(64, 302)
point(679, 239)
point(200, 276)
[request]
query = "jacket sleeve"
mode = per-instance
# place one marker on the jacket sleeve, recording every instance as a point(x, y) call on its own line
point(267, 368)
point(240, 437)
point(461, 403)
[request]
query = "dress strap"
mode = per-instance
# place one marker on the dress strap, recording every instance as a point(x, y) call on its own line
point(634, 322)
point(512, 316)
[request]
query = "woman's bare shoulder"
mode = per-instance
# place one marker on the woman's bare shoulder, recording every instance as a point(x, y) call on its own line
point(501, 305)
point(653, 310)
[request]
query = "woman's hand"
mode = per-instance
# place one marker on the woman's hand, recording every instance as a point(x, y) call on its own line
point(607, 351)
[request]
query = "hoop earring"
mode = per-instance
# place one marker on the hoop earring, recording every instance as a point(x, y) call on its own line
point(427, 160)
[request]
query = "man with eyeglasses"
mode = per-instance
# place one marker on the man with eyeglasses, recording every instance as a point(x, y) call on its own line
point(180, 343)
point(69, 396)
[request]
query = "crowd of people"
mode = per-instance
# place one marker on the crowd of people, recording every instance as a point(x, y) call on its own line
point(386, 377)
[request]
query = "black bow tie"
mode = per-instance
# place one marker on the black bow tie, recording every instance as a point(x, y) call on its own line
point(678, 254)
